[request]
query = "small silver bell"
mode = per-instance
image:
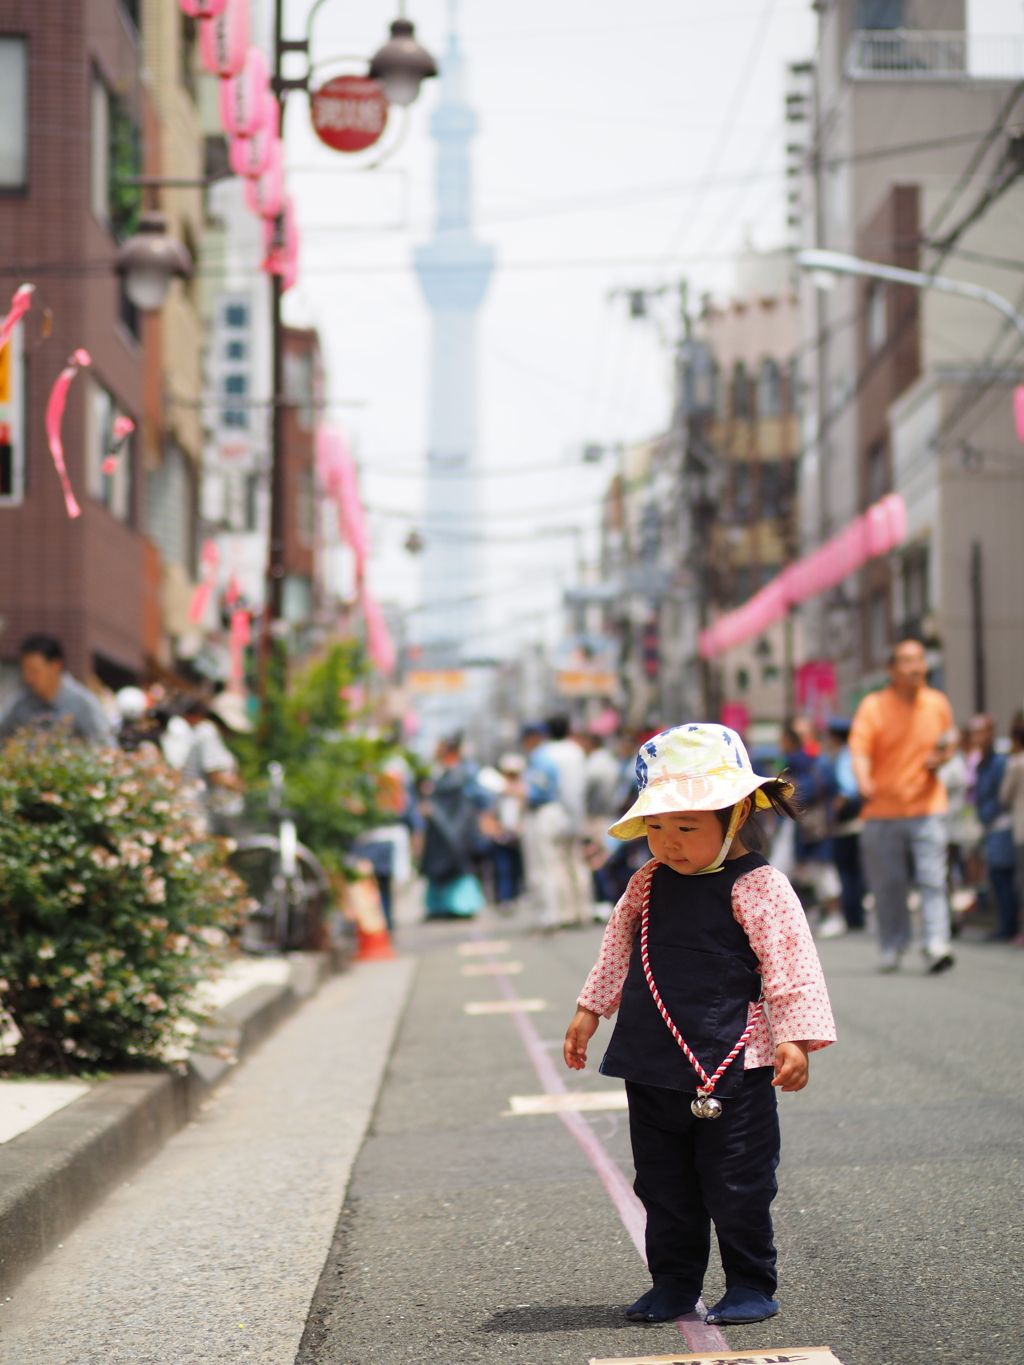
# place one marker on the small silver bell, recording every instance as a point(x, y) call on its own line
point(706, 1107)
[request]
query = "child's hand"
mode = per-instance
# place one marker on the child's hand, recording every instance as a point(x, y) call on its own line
point(578, 1035)
point(790, 1065)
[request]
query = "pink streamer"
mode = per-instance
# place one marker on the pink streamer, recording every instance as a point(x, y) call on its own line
point(339, 480)
point(206, 585)
point(378, 637)
point(1018, 410)
point(240, 636)
point(122, 429)
point(20, 304)
point(54, 414)
point(877, 531)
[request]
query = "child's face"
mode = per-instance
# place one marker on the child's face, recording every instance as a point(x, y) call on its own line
point(687, 840)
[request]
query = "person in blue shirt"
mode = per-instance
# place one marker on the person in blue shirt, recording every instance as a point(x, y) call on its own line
point(996, 823)
point(847, 825)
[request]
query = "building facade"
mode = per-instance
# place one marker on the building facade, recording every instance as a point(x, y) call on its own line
point(912, 159)
point(93, 97)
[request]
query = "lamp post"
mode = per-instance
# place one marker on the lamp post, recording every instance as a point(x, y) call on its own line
point(822, 265)
point(401, 66)
point(149, 261)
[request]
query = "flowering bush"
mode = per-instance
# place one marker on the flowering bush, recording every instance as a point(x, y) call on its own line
point(114, 904)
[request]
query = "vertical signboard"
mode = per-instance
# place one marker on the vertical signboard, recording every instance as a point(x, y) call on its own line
point(12, 424)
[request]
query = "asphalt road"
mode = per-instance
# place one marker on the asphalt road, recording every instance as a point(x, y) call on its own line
point(468, 1235)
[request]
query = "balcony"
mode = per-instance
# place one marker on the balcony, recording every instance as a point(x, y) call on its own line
point(913, 55)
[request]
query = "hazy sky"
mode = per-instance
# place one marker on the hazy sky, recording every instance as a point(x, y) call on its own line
point(620, 145)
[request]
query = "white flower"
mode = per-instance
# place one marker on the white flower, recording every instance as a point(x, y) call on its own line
point(97, 793)
point(216, 938)
point(76, 888)
point(51, 798)
point(153, 1001)
point(156, 890)
point(115, 808)
point(133, 854)
point(47, 951)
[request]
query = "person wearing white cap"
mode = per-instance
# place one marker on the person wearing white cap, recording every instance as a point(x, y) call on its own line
point(711, 966)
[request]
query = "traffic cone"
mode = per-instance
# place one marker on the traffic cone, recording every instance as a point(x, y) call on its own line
point(365, 908)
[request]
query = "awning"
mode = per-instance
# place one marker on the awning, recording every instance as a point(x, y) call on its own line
point(875, 532)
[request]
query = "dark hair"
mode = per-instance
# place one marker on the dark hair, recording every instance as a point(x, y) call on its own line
point(47, 645)
point(1017, 728)
point(751, 834)
point(557, 727)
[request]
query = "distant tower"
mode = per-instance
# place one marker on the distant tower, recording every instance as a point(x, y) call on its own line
point(454, 269)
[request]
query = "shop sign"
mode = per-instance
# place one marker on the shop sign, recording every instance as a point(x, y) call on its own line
point(349, 113)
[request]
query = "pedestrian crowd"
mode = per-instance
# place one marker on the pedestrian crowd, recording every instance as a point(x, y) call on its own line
point(899, 812)
point(185, 731)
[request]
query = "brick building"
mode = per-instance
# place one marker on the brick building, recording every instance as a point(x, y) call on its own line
point(92, 95)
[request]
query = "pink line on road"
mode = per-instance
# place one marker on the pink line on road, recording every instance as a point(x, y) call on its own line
point(700, 1336)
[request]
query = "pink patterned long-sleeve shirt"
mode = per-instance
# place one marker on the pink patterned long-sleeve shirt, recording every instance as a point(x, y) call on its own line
point(767, 909)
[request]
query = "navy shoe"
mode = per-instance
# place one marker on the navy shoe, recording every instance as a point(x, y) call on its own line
point(666, 1302)
point(636, 1312)
point(741, 1304)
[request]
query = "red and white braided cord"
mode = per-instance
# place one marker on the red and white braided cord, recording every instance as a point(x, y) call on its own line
point(709, 1081)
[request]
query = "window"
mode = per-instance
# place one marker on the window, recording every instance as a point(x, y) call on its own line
point(115, 158)
point(236, 417)
point(234, 350)
point(113, 490)
point(742, 489)
point(741, 395)
point(13, 112)
point(236, 315)
point(876, 317)
point(769, 389)
point(793, 386)
point(187, 53)
point(915, 591)
point(235, 384)
point(170, 510)
point(99, 147)
point(877, 472)
point(774, 490)
point(742, 679)
point(12, 420)
point(878, 627)
point(878, 14)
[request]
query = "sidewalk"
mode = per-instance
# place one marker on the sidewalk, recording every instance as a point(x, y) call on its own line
point(212, 1252)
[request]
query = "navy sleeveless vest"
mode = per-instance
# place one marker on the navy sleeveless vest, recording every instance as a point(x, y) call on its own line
point(706, 973)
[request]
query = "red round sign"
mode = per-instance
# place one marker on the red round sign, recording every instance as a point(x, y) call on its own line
point(349, 113)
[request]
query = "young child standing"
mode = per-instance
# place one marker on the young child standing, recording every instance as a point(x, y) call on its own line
point(720, 996)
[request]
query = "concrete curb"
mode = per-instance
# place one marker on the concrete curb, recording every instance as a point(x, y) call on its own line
point(53, 1174)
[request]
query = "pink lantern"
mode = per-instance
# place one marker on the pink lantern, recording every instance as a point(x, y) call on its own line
point(265, 196)
point(251, 155)
point(243, 98)
point(202, 9)
point(337, 472)
point(291, 247)
point(224, 40)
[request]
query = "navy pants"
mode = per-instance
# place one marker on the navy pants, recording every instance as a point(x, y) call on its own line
point(693, 1172)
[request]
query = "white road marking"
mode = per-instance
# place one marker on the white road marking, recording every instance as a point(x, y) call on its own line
point(492, 968)
point(475, 949)
point(504, 1006)
point(561, 1104)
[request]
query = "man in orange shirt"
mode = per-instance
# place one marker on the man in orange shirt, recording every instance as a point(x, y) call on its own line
point(900, 737)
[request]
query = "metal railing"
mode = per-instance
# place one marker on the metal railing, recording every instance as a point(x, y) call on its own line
point(911, 54)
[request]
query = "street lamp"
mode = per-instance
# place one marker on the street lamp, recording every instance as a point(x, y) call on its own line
point(149, 261)
point(402, 64)
point(824, 264)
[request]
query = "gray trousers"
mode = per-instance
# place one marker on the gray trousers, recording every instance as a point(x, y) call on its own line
point(896, 852)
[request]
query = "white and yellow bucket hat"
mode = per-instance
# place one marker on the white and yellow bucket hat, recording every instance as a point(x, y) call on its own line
point(690, 767)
